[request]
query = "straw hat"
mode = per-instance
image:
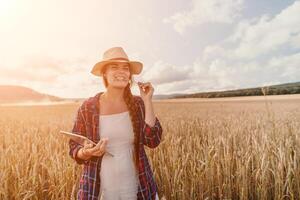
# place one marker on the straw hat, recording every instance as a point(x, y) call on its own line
point(116, 54)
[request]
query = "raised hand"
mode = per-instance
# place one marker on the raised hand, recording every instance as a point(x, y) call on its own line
point(146, 90)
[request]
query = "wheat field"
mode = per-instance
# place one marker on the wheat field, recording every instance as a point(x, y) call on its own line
point(242, 149)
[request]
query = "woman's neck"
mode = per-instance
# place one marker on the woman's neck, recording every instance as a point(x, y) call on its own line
point(113, 94)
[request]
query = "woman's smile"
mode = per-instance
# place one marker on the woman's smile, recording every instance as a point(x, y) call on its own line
point(120, 78)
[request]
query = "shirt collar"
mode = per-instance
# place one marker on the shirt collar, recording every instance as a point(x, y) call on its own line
point(96, 100)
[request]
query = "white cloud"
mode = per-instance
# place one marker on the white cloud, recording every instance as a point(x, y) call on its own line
point(212, 11)
point(287, 67)
point(261, 51)
point(266, 35)
point(161, 73)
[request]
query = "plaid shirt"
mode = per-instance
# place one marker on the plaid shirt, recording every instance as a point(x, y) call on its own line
point(87, 124)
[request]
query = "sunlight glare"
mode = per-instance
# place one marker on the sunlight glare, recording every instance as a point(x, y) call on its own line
point(5, 5)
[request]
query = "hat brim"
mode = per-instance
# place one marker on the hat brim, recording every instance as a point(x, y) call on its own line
point(135, 66)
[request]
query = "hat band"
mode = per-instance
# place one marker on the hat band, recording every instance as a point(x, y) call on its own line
point(119, 59)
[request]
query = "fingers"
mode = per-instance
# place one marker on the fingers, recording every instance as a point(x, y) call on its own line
point(88, 146)
point(99, 149)
point(145, 86)
point(103, 147)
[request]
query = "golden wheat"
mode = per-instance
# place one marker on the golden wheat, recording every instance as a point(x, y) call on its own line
point(210, 150)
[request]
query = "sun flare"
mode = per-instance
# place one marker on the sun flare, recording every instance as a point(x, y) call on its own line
point(5, 6)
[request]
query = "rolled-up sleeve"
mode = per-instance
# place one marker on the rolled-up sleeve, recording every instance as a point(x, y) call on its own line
point(151, 135)
point(78, 128)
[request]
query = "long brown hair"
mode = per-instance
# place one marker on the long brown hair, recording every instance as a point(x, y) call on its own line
point(133, 112)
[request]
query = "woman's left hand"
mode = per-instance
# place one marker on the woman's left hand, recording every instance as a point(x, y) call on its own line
point(146, 90)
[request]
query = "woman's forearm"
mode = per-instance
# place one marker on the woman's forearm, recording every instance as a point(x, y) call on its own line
point(149, 113)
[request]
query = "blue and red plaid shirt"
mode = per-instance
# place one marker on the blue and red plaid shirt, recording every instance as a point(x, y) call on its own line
point(87, 123)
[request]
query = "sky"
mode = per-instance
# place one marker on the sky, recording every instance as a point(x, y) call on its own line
point(185, 46)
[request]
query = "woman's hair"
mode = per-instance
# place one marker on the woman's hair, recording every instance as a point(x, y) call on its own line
point(133, 112)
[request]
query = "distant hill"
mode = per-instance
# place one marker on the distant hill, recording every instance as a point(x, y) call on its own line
point(287, 88)
point(165, 96)
point(17, 94)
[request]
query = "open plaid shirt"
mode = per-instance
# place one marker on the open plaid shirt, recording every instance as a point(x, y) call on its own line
point(87, 123)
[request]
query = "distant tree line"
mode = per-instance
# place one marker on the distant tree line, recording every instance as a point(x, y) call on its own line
point(288, 88)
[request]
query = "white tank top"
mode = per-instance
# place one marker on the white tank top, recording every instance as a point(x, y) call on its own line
point(119, 179)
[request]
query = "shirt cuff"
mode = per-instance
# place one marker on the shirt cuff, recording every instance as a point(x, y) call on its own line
point(149, 128)
point(78, 160)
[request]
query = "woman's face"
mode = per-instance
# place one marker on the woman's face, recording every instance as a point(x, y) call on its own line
point(117, 74)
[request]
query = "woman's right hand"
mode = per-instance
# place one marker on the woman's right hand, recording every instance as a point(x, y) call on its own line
point(87, 151)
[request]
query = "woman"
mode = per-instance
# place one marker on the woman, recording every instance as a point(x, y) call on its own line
point(121, 124)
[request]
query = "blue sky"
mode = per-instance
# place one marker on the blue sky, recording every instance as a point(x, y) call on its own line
point(185, 46)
